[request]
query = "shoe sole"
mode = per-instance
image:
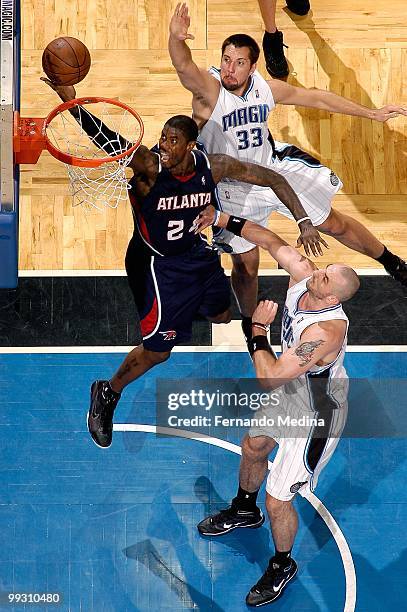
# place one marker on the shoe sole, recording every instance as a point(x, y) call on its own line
point(255, 526)
point(87, 425)
point(265, 603)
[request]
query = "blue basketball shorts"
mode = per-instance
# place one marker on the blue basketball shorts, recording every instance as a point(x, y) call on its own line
point(170, 292)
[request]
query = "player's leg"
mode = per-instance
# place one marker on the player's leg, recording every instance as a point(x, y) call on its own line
point(245, 285)
point(281, 568)
point(105, 394)
point(273, 45)
point(287, 475)
point(316, 186)
point(243, 511)
point(356, 236)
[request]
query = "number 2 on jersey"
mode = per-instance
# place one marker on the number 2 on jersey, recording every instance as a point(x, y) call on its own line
point(245, 141)
point(176, 232)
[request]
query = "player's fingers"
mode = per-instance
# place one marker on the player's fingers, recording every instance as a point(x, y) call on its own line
point(313, 249)
point(306, 247)
point(324, 242)
point(190, 37)
point(319, 249)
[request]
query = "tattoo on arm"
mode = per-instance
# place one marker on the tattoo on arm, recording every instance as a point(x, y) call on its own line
point(306, 350)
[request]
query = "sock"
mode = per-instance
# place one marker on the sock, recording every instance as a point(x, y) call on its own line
point(245, 500)
point(246, 326)
point(388, 260)
point(282, 559)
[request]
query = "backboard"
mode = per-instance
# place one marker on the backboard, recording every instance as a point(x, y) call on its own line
point(10, 101)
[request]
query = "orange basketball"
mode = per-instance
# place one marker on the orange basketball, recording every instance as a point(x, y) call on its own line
point(66, 61)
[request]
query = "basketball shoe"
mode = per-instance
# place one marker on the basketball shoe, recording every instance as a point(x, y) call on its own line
point(273, 49)
point(229, 519)
point(271, 584)
point(103, 401)
point(398, 271)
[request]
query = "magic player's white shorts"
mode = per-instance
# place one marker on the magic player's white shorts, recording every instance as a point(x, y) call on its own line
point(314, 184)
point(304, 448)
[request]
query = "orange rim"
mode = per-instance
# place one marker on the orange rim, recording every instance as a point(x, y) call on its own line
point(79, 161)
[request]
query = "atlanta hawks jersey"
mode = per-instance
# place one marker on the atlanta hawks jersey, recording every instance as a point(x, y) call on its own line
point(295, 321)
point(238, 124)
point(164, 217)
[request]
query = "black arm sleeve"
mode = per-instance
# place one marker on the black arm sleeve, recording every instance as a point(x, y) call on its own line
point(103, 137)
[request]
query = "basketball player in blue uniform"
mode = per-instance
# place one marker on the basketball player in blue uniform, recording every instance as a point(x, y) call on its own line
point(231, 106)
point(309, 384)
point(174, 273)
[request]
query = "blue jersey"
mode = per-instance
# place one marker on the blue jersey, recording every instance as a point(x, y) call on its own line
point(164, 217)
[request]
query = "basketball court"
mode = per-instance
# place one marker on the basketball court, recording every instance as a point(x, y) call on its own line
point(115, 530)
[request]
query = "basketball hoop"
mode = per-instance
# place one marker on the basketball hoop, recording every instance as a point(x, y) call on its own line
point(96, 163)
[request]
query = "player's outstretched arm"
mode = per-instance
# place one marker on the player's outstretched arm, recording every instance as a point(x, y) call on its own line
point(225, 166)
point(284, 93)
point(200, 83)
point(320, 342)
point(297, 266)
point(143, 160)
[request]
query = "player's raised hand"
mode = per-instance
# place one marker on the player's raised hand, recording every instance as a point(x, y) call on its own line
point(310, 239)
point(389, 112)
point(65, 92)
point(180, 22)
point(265, 312)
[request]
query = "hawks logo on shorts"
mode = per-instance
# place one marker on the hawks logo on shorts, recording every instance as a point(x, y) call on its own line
point(171, 334)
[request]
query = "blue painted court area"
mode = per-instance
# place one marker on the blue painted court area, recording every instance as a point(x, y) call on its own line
point(114, 530)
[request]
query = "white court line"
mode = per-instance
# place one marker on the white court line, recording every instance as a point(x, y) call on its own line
point(91, 273)
point(16, 350)
point(343, 547)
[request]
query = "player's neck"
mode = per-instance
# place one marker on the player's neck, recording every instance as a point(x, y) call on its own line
point(185, 167)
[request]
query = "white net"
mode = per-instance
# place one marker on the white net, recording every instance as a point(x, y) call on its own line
point(96, 132)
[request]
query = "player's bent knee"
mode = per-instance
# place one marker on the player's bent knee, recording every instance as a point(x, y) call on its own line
point(155, 357)
point(334, 225)
point(224, 317)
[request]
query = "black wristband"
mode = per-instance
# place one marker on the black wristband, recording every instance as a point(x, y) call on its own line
point(235, 225)
point(260, 343)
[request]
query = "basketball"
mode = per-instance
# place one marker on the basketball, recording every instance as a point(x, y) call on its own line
point(66, 61)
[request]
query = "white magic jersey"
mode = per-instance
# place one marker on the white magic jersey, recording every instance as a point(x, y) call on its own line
point(238, 124)
point(295, 321)
point(311, 412)
point(238, 127)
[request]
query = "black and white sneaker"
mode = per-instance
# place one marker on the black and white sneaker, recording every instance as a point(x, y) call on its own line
point(298, 7)
point(271, 584)
point(399, 271)
point(229, 519)
point(103, 401)
point(273, 49)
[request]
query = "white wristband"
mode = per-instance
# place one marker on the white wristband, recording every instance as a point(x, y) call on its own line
point(217, 215)
point(303, 219)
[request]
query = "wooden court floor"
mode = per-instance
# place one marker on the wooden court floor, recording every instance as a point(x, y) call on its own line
point(353, 48)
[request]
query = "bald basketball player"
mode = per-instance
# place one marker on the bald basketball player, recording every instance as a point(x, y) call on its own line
point(311, 383)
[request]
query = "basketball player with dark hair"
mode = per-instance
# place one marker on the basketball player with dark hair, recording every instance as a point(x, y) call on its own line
point(311, 384)
point(174, 274)
point(231, 107)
